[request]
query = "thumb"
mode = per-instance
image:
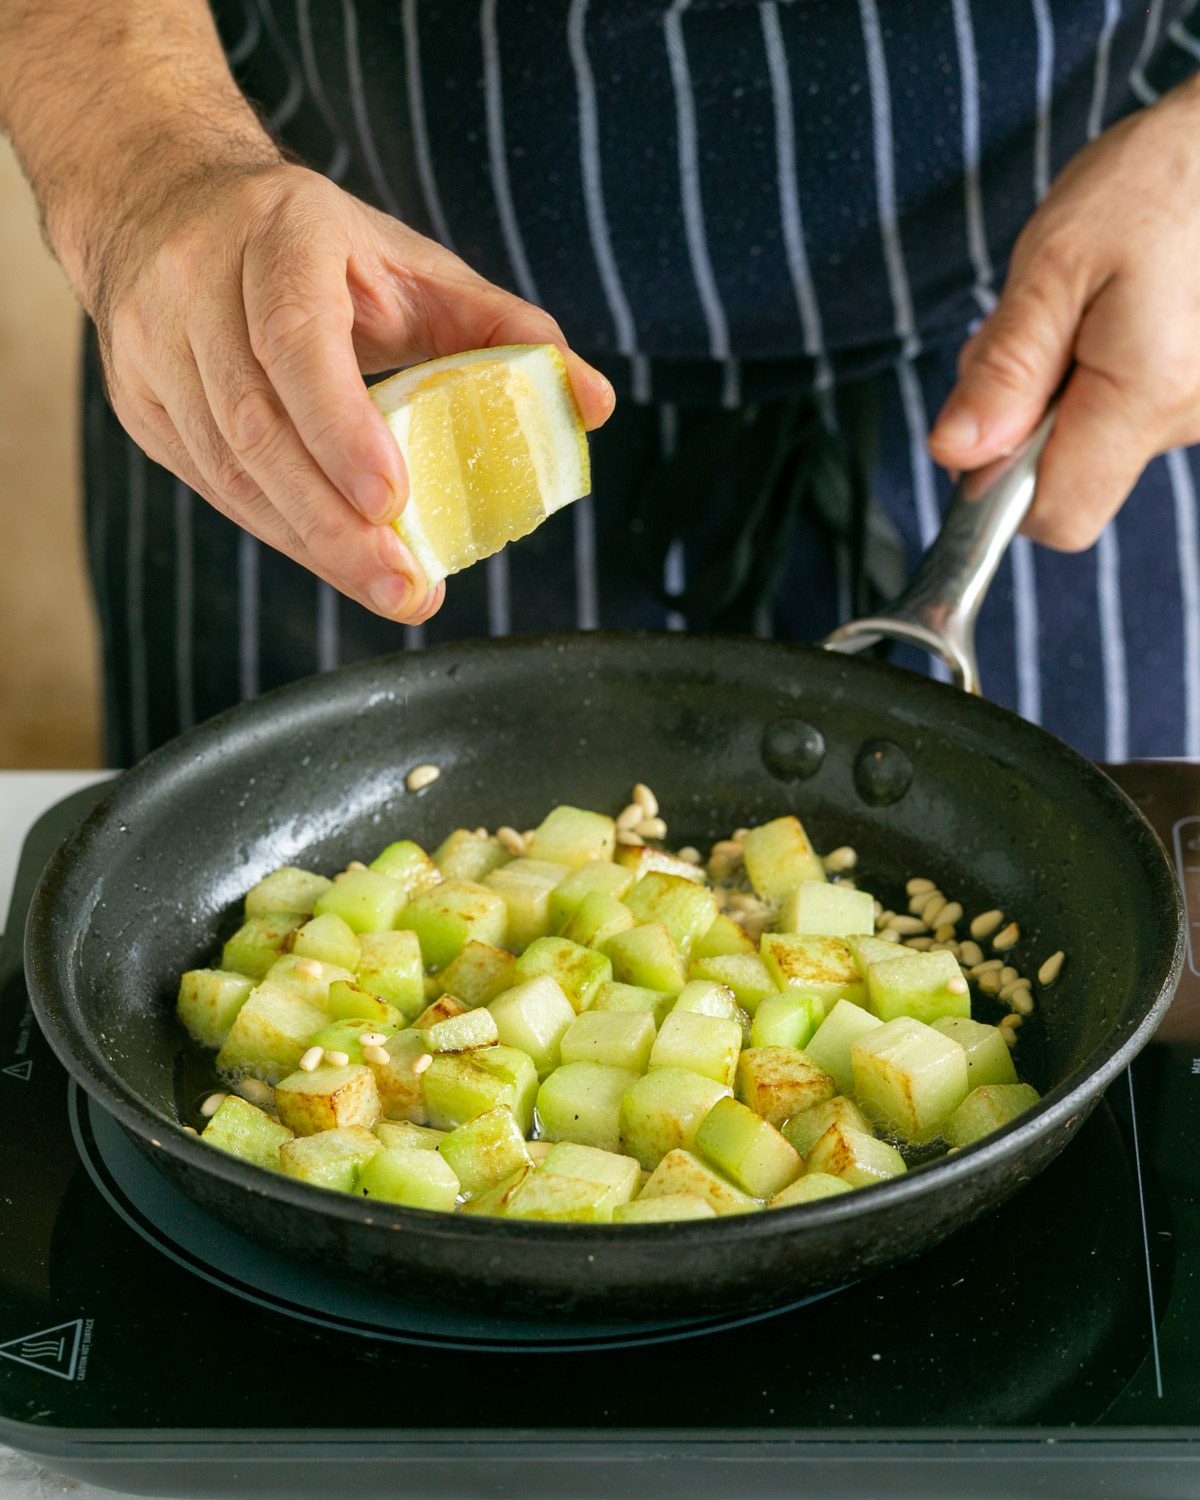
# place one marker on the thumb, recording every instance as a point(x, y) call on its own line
point(1009, 370)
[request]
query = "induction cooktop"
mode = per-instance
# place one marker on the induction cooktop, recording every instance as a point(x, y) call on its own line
point(1051, 1349)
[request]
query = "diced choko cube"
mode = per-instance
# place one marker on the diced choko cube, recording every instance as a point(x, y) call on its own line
point(485, 1150)
point(988, 1057)
point(308, 979)
point(391, 966)
point(465, 1033)
point(546, 1195)
point(744, 973)
point(581, 1102)
point(365, 900)
point(327, 1099)
point(330, 940)
point(351, 1002)
point(572, 836)
point(663, 1110)
point(534, 1017)
point(243, 1130)
point(632, 998)
point(924, 986)
point(461, 1085)
point(415, 1179)
point(647, 956)
point(269, 1034)
point(467, 855)
point(620, 1175)
point(525, 886)
point(786, 1020)
point(987, 1108)
point(778, 1082)
point(806, 1129)
point(824, 910)
point(809, 1188)
point(664, 1208)
point(644, 859)
point(209, 1000)
point(597, 877)
point(908, 1078)
point(749, 1150)
point(686, 909)
point(597, 918)
point(872, 950)
point(494, 1201)
point(820, 966)
point(703, 1044)
point(408, 865)
point(401, 1087)
point(448, 916)
point(258, 942)
point(286, 890)
point(619, 1039)
point(705, 997)
point(854, 1156)
point(331, 1159)
point(778, 856)
point(723, 938)
point(829, 1046)
point(346, 1036)
point(441, 1010)
point(405, 1133)
point(579, 971)
point(681, 1172)
point(478, 974)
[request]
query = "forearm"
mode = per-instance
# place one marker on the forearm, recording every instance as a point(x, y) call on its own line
point(113, 105)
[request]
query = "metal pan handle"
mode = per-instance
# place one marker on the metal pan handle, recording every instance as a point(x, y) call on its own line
point(938, 609)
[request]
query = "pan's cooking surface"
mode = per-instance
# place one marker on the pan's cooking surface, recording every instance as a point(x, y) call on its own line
point(920, 778)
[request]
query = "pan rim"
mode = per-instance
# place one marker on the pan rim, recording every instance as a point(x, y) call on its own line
point(158, 1131)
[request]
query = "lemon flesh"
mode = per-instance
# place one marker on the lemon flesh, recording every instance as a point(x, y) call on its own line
point(493, 443)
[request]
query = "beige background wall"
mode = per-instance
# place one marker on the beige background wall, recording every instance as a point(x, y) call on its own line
point(49, 701)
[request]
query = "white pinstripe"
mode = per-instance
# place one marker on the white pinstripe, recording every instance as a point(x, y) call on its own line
point(493, 98)
point(1184, 38)
point(340, 159)
point(294, 96)
point(674, 570)
point(885, 178)
point(362, 119)
point(693, 205)
point(420, 128)
point(248, 40)
point(1138, 81)
point(1112, 15)
point(1045, 97)
point(1187, 537)
point(591, 178)
point(790, 216)
point(968, 69)
point(135, 616)
point(185, 693)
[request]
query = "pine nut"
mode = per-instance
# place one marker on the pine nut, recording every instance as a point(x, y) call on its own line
point(919, 886)
point(877, 908)
point(376, 1055)
point(1009, 987)
point(889, 935)
point(957, 985)
point(989, 983)
point(931, 912)
point(255, 1091)
point(646, 800)
point(744, 901)
point(950, 915)
point(372, 1038)
point(212, 1104)
point(884, 918)
point(690, 855)
point(970, 954)
point(985, 924)
point(728, 848)
point(356, 864)
point(422, 776)
point(424, 1061)
point(921, 944)
point(312, 1059)
point(927, 903)
point(309, 967)
point(1021, 1000)
point(945, 932)
point(630, 817)
point(986, 966)
point(481, 832)
point(630, 839)
point(337, 1059)
point(739, 836)
point(908, 925)
point(1008, 975)
point(1051, 969)
point(190, 1130)
point(1009, 937)
point(510, 841)
point(652, 828)
point(840, 859)
point(538, 1151)
point(843, 884)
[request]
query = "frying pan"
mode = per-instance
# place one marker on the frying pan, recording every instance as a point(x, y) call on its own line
point(921, 778)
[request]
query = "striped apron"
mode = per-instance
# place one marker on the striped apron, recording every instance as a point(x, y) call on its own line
point(726, 204)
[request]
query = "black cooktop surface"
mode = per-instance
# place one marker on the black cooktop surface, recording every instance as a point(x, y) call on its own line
point(1050, 1349)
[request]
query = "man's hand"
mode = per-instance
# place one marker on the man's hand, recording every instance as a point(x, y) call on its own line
point(1105, 278)
point(234, 323)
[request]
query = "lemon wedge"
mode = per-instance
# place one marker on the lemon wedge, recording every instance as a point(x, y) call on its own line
point(494, 444)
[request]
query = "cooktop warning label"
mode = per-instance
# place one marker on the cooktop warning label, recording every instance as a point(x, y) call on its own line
point(61, 1350)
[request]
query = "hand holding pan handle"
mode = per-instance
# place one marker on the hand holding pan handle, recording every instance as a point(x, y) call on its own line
point(937, 610)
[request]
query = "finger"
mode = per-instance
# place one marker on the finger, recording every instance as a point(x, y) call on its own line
point(300, 319)
point(1102, 440)
point(1012, 368)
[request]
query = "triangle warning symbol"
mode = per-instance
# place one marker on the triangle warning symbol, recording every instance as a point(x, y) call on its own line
point(54, 1351)
point(20, 1070)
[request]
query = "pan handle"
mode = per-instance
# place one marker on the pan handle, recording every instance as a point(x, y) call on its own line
point(937, 610)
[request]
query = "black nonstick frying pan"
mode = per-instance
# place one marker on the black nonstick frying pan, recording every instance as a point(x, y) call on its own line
point(920, 777)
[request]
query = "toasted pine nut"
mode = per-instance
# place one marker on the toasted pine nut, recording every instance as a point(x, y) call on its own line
point(255, 1091)
point(309, 967)
point(989, 983)
point(844, 884)
point(337, 1059)
point(646, 800)
point(538, 1150)
point(884, 918)
point(190, 1130)
point(921, 944)
point(212, 1104)
point(919, 886)
point(1008, 975)
point(312, 1059)
point(372, 1038)
point(691, 855)
point(1021, 1000)
point(651, 828)
point(1009, 987)
point(481, 832)
point(931, 912)
point(985, 924)
point(970, 954)
point(951, 913)
point(422, 776)
point(890, 935)
point(424, 1061)
point(728, 848)
point(630, 817)
point(510, 841)
point(376, 1055)
point(356, 864)
point(1007, 938)
point(945, 932)
point(738, 836)
point(908, 925)
point(627, 837)
point(986, 966)
point(840, 859)
point(1051, 969)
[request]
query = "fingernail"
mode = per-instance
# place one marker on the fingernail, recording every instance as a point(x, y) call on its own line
point(390, 592)
point(373, 496)
point(956, 428)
